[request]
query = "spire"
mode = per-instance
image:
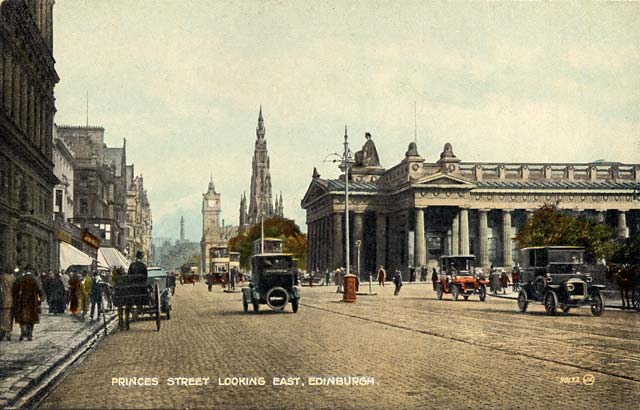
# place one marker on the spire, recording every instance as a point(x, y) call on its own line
point(212, 187)
point(260, 131)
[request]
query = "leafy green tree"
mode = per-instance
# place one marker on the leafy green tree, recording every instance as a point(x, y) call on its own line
point(293, 241)
point(628, 252)
point(550, 226)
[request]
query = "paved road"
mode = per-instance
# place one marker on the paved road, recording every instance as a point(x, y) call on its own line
point(421, 352)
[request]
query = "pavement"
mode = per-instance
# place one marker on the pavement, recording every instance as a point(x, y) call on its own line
point(27, 368)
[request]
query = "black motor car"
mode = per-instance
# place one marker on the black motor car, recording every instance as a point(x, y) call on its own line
point(274, 283)
point(555, 276)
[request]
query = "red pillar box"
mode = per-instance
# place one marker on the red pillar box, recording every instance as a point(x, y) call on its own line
point(349, 294)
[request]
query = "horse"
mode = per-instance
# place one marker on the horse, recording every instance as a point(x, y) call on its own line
point(626, 277)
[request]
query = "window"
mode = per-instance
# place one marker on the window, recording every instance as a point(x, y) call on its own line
point(57, 206)
point(84, 206)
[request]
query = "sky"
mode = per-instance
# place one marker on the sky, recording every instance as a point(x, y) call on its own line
point(183, 81)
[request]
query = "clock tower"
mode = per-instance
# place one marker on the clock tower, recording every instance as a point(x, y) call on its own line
point(211, 231)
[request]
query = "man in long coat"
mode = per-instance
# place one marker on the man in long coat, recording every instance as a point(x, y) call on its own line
point(7, 281)
point(27, 295)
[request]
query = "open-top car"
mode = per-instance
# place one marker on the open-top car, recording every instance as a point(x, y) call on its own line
point(274, 282)
point(458, 276)
point(555, 276)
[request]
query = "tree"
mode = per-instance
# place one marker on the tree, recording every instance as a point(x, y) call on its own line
point(550, 226)
point(293, 241)
point(628, 252)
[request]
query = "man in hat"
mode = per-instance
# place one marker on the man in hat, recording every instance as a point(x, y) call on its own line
point(27, 295)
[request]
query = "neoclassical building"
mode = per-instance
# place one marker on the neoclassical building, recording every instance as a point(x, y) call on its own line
point(416, 211)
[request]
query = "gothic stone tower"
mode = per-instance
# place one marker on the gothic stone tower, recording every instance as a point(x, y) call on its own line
point(211, 233)
point(260, 202)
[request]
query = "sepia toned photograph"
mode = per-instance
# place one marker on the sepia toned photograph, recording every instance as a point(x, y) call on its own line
point(267, 204)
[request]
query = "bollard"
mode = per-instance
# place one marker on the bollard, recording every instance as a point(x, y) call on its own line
point(349, 286)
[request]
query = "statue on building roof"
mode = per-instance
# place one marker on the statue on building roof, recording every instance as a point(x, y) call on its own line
point(368, 155)
point(447, 152)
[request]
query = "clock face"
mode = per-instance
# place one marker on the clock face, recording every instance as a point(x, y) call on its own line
point(212, 202)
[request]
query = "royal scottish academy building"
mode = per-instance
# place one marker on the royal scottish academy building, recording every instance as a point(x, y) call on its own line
point(416, 211)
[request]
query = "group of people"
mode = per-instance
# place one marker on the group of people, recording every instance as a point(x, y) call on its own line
point(397, 279)
point(23, 291)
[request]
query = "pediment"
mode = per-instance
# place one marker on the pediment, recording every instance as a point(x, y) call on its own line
point(444, 180)
point(317, 188)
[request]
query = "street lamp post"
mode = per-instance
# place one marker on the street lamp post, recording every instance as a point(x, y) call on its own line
point(347, 160)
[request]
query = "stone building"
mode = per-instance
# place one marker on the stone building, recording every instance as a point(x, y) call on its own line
point(27, 108)
point(260, 199)
point(99, 183)
point(138, 216)
point(416, 211)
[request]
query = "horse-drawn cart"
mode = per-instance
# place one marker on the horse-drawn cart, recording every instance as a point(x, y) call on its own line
point(131, 292)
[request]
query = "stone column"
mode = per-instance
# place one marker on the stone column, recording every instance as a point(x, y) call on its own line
point(357, 236)
point(455, 241)
point(622, 225)
point(464, 231)
point(507, 257)
point(381, 240)
point(447, 243)
point(483, 240)
point(337, 253)
point(310, 246)
point(419, 248)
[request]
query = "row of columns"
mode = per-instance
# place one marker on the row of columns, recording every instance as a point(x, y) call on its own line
point(326, 243)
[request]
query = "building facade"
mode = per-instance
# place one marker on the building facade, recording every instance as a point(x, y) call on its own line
point(214, 232)
point(416, 211)
point(99, 183)
point(260, 198)
point(27, 108)
point(139, 221)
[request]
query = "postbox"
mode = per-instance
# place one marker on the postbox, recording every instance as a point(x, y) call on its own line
point(349, 285)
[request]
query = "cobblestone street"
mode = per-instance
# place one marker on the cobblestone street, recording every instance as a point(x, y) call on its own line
point(422, 353)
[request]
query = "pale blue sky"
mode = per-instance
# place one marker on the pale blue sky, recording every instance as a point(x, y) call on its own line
point(182, 82)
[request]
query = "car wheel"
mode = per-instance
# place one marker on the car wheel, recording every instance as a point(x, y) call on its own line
point(550, 303)
point(597, 305)
point(482, 293)
point(439, 291)
point(635, 300)
point(256, 306)
point(277, 298)
point(522, 301)
point(454, 292)
point(294, 305)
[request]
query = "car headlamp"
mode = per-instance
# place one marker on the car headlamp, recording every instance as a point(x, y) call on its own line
point(570, 287)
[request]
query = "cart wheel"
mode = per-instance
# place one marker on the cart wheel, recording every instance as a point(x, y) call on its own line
point(157, 292)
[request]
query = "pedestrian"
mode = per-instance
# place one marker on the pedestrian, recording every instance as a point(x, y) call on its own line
point(74, 284)
point(83, 293)
point(504, 281)
point(65, 282)
point(381, 276)
point(7, 280)
point(338, 280)
point(434, 279)
point(423, 274)
point(515, 277)
point(27, 296)
point(327, 277)
point(95, 295)
point(138, 271)
point(209, 279)
point(311, 279)
point(412, 274)
point(233, 273)
point(397, 280)
point(56, 299)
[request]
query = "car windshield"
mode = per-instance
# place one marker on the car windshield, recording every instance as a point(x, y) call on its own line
point(459, 264)
point(557, 256)
point(567, 268)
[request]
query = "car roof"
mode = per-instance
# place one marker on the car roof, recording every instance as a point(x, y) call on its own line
point(559, 247)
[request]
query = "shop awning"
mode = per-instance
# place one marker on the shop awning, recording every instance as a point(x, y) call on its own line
point(112, 258)
point(69, 255)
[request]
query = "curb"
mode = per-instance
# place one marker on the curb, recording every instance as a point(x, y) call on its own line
point(31, 394)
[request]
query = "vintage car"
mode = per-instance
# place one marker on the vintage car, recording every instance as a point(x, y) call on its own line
point(274, 282)
point(458, 276)
point(555, 276)
point(157, 275)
